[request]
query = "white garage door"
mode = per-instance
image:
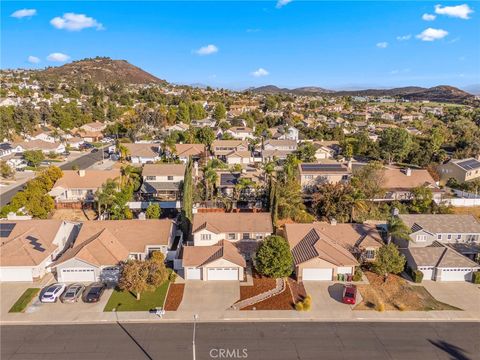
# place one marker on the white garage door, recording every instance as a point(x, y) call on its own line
point(456, 274)
point(15, 274)
point(344, 270)
point(317, 274)
point(74, 275)
point(222, 274)
point(427, 272)
point(194, 274)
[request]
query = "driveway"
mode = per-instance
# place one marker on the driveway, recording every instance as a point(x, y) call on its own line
point(209, 295)
point(463, 295)
point(327, 297)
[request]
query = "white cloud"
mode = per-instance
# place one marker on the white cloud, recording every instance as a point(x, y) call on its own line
point(33, 59)
point(282, 3)
point(75, 22)
point(58, 57)
point(459, 11)
point(24, 13)
point(429, 17)
point(382, 45)
point(260, 72)
point(404, 37)
point(207, 50)
point(431, 34)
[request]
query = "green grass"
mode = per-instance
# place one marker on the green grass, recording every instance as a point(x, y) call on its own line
point(23, 301)
point(127, 301)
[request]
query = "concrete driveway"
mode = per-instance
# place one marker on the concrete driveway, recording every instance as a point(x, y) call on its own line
point(327, 297)
point(209, 295)
point(463, 295)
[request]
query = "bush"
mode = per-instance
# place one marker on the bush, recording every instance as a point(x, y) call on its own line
point(299, 306)
point(380, 306)
point(358, 275)
point(476, 277)
point(274, 258)
point(306, 306)
point(172, 275)
point(400, 306)
point(417, 276)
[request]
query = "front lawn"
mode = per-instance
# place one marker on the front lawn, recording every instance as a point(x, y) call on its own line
point(126, 301)
point(23, 301)
point(396, 294)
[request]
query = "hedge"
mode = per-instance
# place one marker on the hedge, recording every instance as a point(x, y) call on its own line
point(476, 277)
point(417, 276)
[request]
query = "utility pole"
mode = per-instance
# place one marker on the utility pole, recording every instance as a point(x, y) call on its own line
point(195, 317)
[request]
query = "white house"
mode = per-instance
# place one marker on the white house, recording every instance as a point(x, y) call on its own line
point(28, 247)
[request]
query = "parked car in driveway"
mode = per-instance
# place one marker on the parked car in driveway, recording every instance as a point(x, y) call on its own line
point(93, 292)
point(52, 293)
point(349, 294)
point(72, 293)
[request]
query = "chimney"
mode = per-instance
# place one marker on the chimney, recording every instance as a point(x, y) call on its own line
point(408, 172)
point(333, 222)
point(81, 173)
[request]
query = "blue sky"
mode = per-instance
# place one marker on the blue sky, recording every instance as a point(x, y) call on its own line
point(239, 44)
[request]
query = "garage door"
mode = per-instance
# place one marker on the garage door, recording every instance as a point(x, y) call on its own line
point(317, 274)
point(74, 275)
point(194, 274)
point(223, 274)
point(427, 272)
point(457, 274)
point(344, 270)
point(15, 274)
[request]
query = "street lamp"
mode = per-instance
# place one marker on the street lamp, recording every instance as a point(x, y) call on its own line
point(195, 318)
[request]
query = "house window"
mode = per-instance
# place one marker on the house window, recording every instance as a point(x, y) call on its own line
point(170, 178)
point(439, 237)
point(370, 254)
point(134, 257)
point(246, 236)
point(449, 236)
point(421, 237)
point(151, 178)
point(231, 236)
point(206, 237)
point(259, 236)
point(308, 177)
point(459, 237)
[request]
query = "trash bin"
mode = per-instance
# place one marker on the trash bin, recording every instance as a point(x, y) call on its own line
point(349, 277)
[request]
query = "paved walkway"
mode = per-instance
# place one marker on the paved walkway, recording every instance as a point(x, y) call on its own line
point(279, 287)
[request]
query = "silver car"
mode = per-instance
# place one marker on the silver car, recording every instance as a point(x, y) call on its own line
point(72, 293)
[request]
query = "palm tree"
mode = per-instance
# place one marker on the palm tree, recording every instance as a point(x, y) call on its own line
point(397, 229)
point(130, 176)
point(359, 204)
point(123, 150)
point(210, 177)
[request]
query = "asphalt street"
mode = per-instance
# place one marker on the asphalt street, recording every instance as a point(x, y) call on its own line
point(262, 341)
point(83, 162)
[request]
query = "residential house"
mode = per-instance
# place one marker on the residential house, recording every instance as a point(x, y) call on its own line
point(274, 149)
point(9, 149)
point(92, 132)
point(28, 247)
point(41, 134)
point(143, 153)
point(221, 261)
point(326, 149)
point(177, 127)
point(228, 183)
point(312, 174)
point(232, 151)
point(284, 133)
point(44, 146)
point(460, 170)
point(162, 182)
point(102, 246)
point(184, 152)
point(241, 132)
point(322, 251)
point(80, 186)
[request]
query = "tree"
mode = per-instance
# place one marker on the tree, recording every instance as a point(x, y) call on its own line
point(153, 211)
point(333, 201)
point(422, 200)
point(205, 135)
point(369, 180)
point(306, 152)
point(139, 276)
point(395, 144)
point(183, 113)
point(220, 112)
point(388, 261)
point(274, 257)
point(6, 171)
point(187, 203)
point(34, 157)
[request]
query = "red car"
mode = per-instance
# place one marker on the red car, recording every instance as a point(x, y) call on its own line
point(349, 294)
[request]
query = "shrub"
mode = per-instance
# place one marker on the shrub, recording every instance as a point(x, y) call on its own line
point(358, 275)
point(476, 277)
point(417, 276)
point(172, 275)
point(380, 306)
point(306, 306)
point(400, 306)
point(299, 306)
point(274, 257)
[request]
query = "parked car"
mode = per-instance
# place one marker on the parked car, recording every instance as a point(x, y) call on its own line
point(349, 294)
point(93, 292)
point(72, 293)
point(94, 150)
point(52, 293)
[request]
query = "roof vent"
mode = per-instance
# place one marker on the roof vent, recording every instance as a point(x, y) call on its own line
point(333, 221)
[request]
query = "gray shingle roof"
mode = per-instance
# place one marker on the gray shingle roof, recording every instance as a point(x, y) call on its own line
point(442, 223)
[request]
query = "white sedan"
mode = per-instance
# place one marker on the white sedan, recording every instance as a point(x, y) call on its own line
point(52, 293)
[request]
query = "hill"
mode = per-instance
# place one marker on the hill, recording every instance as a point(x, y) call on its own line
point(101, 70)
point(441, 93)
